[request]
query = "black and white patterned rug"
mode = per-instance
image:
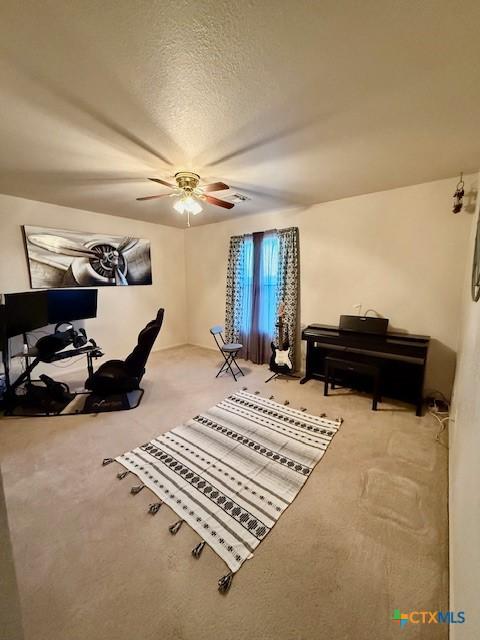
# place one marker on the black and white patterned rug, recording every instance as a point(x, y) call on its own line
point(231, 471)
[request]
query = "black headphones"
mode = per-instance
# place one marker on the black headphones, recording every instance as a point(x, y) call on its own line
point(48, 346)
point(79, 338)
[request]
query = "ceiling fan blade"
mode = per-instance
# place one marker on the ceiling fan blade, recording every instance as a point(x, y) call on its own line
point(219, 203)
point(214, 186)
point(162, 195)
point(167, 184)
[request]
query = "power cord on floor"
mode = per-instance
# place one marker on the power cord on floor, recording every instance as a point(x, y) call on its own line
point(441, 416)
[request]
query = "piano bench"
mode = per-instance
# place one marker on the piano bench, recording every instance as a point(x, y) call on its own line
point(351, 366)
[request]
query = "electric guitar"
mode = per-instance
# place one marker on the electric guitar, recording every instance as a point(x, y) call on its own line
point(280, 360)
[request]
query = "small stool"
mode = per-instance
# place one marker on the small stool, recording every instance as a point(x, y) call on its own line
point(351, 366)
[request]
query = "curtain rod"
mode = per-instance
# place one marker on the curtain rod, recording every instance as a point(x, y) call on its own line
point(266, 231)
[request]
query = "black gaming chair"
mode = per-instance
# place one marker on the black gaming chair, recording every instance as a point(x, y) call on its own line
point(122, 376)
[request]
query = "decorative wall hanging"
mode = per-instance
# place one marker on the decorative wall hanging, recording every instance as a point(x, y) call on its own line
point(458, 195)
point(59, 258)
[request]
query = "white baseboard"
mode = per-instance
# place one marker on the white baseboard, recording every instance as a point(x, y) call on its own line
point(171, 346)
point(202, 346)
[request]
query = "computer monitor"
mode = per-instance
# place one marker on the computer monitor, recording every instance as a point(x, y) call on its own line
point(67, 305)
point(30, 310)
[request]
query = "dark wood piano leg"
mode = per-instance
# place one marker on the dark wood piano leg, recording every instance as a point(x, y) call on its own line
point(421, 377)
point(327, 380)
point(308, 364)
point(376, 384)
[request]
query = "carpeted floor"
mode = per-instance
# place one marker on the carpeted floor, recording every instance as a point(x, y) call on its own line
point(366, 535)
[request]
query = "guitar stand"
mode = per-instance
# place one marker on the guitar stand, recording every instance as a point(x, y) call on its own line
point(276, 375)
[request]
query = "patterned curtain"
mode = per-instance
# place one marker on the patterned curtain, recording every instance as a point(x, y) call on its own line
point(289, 285)
point(235, 288)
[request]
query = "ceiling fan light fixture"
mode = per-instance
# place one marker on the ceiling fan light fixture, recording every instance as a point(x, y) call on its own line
point(188, 204)
point(196, 208)
point(179, 206)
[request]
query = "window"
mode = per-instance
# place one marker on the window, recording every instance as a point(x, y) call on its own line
point(268, 285)
point(259, 287)
point(246, 279)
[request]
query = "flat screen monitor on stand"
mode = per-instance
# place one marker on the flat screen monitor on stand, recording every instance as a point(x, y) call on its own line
point(27, 311)
point(30, 310)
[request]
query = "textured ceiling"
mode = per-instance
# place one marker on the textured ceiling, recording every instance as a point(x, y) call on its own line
point(289, 101)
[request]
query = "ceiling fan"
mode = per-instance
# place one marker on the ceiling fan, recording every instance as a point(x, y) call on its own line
point(189, 193)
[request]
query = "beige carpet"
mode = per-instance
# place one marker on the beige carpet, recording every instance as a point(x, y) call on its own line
point(367, 534)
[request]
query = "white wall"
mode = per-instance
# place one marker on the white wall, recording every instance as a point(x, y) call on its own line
point(401, 252)
point(122, 311)
point(464, 469)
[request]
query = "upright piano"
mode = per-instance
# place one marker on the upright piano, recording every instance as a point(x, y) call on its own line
point(401, 357)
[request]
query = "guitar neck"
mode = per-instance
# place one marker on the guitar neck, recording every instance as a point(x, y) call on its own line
point(280, 326)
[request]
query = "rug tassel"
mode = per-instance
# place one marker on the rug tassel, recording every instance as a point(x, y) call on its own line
point(197, 551)
point(154, 508)
point(271, 397)
point(225, 582)
point(323, 415)
point(107, 461)
point(257, 393)
point(286, 402)
point(244, 388)
point(175, 528)
point(303, 408)
point(122, 475)
point(135, 490)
